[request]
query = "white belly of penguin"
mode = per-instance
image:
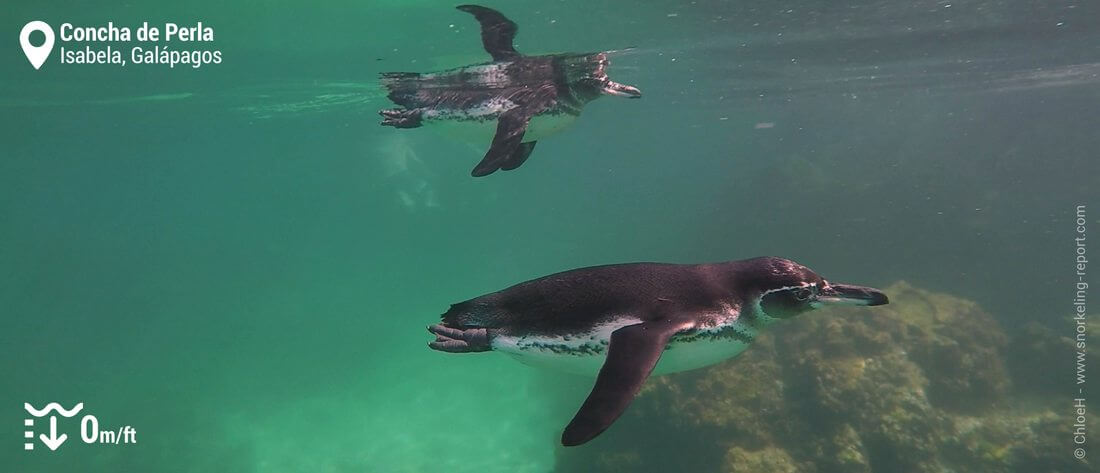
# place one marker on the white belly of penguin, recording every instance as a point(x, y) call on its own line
point(585, 354)
point(477, 127)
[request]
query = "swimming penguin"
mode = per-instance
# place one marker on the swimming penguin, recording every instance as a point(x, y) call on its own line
point(625, 321)
point(517, 98)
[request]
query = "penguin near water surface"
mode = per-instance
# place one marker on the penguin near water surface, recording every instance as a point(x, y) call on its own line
point(626, 321)
point(516, 99)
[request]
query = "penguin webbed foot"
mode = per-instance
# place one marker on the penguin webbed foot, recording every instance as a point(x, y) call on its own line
point(456, 340)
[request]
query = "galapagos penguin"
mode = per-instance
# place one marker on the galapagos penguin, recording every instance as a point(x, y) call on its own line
point(517, 98)
point(626, 321)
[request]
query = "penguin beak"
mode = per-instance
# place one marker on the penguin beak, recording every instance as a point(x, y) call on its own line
point(846, 294)
point(620, 90)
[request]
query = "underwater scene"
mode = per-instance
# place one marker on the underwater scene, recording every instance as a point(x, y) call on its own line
point(754, 236)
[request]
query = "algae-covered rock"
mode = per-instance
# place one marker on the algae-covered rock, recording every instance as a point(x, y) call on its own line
point(845, 451)
point(1046, 446)
point(919, 385)
point(735, 403)
point(955, 340)
point(939, 334)
point(879, 403)
point(768, 459)
point(1036, 348)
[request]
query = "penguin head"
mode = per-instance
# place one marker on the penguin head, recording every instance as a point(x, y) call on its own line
point(586, 76)
point(787, 289)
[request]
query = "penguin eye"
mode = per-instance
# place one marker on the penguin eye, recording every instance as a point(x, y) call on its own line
point(803, 293)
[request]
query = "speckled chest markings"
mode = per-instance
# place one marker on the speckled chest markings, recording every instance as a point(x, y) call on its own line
point(584, 353)
point(477, 118)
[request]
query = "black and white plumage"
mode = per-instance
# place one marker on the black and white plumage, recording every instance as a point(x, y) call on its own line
point(627, 321)
point(518, 99)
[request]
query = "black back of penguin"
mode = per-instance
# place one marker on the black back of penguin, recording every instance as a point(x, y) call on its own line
point(575, 301)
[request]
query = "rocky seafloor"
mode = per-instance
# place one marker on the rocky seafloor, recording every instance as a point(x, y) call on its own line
point(928, 383)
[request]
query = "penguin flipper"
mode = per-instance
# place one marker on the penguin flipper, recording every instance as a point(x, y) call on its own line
point(511, 125)
point(519, 156)
point(497, 31)
point(631, 357)
point(508, 141)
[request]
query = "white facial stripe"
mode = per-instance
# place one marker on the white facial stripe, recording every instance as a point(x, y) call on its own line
point(784, 288)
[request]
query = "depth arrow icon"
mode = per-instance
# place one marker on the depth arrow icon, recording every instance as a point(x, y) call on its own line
point(53, 441)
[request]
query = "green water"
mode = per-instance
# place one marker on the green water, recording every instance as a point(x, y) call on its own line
point(237, 260)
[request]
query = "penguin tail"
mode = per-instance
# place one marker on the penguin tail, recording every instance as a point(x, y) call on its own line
point(460, 332)
point(459, 314)
point(479, 312)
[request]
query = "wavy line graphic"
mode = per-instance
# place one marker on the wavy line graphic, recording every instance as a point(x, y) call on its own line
point(51, 407)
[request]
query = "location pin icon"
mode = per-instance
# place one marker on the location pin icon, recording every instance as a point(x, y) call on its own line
point(36, 54)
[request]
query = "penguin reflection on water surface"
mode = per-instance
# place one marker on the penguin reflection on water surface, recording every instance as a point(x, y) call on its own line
point(626, 321)
point(516, 99)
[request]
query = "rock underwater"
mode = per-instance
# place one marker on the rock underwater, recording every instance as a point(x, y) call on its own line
point(928, 383)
